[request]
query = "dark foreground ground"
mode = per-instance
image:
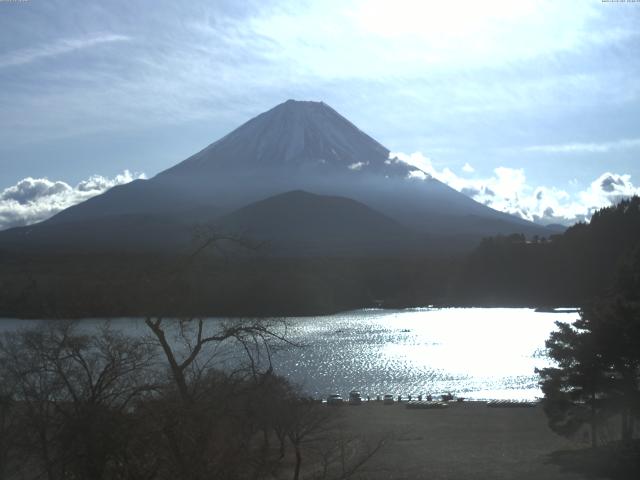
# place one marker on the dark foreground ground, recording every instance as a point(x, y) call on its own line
point(465, 441)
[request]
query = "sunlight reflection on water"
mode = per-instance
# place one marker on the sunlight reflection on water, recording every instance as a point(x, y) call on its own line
point(476, 353)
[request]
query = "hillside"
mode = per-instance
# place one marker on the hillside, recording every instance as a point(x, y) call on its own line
point(570, 269)
point(301, 223)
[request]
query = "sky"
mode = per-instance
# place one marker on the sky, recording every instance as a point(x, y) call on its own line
point(531, 107)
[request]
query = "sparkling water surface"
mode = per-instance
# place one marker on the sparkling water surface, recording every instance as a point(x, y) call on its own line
point(477, 353)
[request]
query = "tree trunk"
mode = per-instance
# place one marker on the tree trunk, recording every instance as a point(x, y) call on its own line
point(44, 444)
point(176, 370)
point(281, 439)
point(296, 473)
point(626, 425)
point(594, 422)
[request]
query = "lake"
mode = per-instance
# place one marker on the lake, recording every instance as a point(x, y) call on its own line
point(477, 353)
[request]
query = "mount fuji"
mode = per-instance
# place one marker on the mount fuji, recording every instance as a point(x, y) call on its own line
point(300, 176)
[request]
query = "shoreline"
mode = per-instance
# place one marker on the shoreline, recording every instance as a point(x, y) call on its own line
point(328, 313)
point(467, 440)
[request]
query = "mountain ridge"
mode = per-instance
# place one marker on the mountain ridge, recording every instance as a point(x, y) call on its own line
point(297, 145)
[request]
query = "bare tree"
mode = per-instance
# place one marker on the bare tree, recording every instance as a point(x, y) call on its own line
point(345, 455)
point(307, 420)
point(72, 393)
point(8, 426)
point(318, 430)
point(218, 367)
point(197, 341)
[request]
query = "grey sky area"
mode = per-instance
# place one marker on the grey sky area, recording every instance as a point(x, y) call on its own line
point(532, 107)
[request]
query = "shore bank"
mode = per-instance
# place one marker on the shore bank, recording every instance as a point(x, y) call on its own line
point(467, 440)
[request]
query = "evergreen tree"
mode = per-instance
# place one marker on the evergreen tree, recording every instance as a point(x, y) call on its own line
point(598, 361)
point(574, 390)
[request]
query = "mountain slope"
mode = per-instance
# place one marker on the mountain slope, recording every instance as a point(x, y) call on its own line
point(292, 136)
point(119, 233)
point(294, 146)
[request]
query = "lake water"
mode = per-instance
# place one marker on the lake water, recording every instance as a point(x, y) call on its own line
point(477, 353)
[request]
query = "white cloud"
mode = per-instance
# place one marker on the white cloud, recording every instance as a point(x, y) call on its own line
point(32, 200)
point(59, 47)
point(357, 165)
point(374, 38)
point(586, 147)
point(194, 63)
point(468, 168)
point(507, 190)
point(417, 174)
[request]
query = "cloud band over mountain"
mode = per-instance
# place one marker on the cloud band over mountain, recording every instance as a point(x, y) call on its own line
point(32, 200)
point(507, 190)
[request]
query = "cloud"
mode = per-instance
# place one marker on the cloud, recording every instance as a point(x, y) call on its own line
point(507, 190)
point(603, 147)
point(357, 165)
point(192, 63)
point(608, 189)
point(60, 47)
point(610, 183)
point(468, 168)
point(30, 189)
point(32, 200)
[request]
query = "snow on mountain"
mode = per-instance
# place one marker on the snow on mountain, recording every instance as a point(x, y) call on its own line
point(299, 136)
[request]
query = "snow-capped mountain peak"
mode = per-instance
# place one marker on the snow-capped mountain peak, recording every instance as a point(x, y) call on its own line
point(295, 135)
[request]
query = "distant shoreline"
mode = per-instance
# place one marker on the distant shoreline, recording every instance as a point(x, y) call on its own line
point(559, 309)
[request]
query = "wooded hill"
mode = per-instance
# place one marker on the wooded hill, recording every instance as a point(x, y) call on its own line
point(565, 270)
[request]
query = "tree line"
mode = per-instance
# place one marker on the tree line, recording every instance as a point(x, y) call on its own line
point(567, 270)
point(594, 387)
point(124, 285)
